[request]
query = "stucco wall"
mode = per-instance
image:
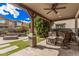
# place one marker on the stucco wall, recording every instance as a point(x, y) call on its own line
point(69, 23)
point(11, 25)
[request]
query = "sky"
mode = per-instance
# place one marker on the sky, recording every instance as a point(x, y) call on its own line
point(11, 12)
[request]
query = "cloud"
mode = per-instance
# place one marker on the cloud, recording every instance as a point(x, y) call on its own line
point(9, 9)
point(26, 21)
point(2, 8)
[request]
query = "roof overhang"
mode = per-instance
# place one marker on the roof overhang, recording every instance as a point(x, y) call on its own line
point(38, 8)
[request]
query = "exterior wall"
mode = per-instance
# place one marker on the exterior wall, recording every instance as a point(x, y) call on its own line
point(68, 24)
point(7, 25)
point(4, 26)
point(11, 25)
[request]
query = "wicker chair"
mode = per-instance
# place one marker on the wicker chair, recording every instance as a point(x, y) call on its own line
point(53, 39)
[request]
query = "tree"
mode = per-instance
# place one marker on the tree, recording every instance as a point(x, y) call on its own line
point(42, 27)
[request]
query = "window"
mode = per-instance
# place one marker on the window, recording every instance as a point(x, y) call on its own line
point(60, 25)
point(18, 23)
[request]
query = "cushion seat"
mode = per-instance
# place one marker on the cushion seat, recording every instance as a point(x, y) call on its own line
point(10, 37)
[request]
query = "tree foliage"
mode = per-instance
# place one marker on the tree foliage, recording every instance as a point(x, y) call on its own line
point(42, 27)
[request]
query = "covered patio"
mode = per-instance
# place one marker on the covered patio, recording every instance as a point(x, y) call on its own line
point(70, 11)
point(50, 13)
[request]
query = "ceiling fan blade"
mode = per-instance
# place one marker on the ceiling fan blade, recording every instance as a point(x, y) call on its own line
point(54, 5)
point(47, 8)
point(49, 11)
point(60, 8)
point(55, 11)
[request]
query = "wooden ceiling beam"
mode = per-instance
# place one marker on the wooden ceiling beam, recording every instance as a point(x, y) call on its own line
point(77, 14)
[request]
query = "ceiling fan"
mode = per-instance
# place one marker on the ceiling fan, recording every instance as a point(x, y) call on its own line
point(54, 8)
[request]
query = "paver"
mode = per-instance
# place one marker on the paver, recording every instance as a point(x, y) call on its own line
point(8, 49)
point(4, 45)
point(41, 50)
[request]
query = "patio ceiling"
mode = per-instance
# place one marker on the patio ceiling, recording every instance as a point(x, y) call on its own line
point(67, 13)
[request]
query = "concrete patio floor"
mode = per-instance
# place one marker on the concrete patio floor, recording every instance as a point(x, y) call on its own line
point(44, 49)
point(41, 50)
point(73, 51)
point(47, 50)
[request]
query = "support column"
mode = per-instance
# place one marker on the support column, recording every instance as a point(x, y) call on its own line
point(76, 23)
point(76, 26)
point(34, 41)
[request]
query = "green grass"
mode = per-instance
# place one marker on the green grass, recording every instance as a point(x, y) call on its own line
point(39, 39)
point(20, 43)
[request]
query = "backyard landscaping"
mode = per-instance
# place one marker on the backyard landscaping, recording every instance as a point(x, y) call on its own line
point(20, 44)
point(21, 29)
point(41, 31)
